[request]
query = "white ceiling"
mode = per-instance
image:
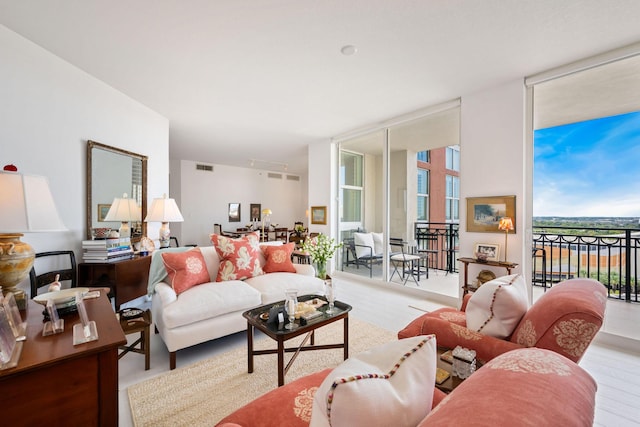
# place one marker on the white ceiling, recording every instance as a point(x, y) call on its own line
point(241, 79)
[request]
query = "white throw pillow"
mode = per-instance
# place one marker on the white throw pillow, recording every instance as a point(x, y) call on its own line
point(377, 243)
point(496, 308)
point(389, 385)
point(363, 239)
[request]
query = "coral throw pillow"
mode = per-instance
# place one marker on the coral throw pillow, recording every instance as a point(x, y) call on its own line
point(278, 258)
point(497, 306)
point(389, 385)
point(185, 269)
point(238, 257)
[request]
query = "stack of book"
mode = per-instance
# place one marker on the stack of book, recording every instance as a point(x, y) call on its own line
point(106, 250)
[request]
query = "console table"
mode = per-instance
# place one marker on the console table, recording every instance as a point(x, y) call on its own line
point(127, 278)
point(57, 383)
point(466, 261)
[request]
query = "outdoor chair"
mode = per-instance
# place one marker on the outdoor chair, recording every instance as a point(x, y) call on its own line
point(407, 263)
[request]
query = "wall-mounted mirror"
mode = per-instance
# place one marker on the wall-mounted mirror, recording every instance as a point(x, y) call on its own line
point(111, 172)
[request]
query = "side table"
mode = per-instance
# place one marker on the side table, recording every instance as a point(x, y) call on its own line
point(466, 261)
point(127, 278)
point(142, 325)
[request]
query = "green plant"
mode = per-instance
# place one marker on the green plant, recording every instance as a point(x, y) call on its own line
point(321, 248)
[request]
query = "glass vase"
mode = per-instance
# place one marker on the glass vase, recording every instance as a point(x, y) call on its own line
point(290, 306)
point(321, 269)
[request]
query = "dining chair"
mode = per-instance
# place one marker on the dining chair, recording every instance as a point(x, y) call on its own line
point(61, 263)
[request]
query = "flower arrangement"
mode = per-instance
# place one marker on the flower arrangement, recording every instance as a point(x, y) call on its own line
point(321, 249)
point(299, 229)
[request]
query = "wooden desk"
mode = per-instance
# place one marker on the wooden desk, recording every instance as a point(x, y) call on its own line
point(127, 279)
point(57, 383)
point(466, 261)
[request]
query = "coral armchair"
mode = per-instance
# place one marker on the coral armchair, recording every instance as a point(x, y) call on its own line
point(565, 319)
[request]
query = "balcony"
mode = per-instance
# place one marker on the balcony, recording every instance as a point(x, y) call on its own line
point(610, 256)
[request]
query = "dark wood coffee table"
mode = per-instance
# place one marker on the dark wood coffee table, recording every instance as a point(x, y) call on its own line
point(278, 333)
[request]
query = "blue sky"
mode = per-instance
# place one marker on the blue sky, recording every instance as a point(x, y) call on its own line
point(589, 168)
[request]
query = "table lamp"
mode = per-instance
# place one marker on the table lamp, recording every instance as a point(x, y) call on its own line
point(124, 210)
point(164, 210)
point(26, 206)
point(505, 225)
point(265, 213)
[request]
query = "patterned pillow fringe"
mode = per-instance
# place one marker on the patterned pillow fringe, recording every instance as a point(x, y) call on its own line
point(493, 300)
point(371, 376)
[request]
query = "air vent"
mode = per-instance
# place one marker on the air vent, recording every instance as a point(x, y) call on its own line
point(293, 178)
point(274, 175)
point(206, 168)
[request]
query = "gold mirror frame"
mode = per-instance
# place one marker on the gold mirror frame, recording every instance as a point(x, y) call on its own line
point(93, 145)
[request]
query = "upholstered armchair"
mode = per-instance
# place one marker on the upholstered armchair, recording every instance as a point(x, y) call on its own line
point(565, 320)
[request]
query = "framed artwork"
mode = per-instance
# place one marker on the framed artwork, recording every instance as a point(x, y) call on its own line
point(234, 212)
point(487, 251)
point(484, 213)
point(318, 214)
point(103, 209)
point(255, 212)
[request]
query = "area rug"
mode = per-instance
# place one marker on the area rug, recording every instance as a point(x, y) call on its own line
point(205, 392)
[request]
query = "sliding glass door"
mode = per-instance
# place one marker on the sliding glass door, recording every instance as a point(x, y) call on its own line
point(393, 181)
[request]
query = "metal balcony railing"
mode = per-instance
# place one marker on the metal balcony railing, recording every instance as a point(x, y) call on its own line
point(608, 255)
point(440, 241)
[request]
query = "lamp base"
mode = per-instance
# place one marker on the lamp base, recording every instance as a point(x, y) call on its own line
point(165, 235)
point(16, 260)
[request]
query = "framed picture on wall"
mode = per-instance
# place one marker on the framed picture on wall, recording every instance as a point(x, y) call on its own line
point(102, 211)
point(234, 212)
point(318, 214)
point(484, 213)
point(255, 212)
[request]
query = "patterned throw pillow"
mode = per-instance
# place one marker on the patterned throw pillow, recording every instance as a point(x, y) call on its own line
point(278, 258)
point(389, 385)
point(497, 306)
point(238, 257)
point(185, 269)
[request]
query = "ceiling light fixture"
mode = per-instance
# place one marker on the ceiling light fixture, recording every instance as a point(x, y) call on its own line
point(348, 50)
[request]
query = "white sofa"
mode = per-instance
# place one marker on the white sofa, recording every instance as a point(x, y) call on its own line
point(213, 310)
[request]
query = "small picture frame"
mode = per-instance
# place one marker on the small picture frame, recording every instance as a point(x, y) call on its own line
point(487, 252)
point(255, 212)
point(103, 209)
point(234, 212)
point(318, 214)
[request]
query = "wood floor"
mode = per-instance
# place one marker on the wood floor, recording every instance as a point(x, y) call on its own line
point(609, 360)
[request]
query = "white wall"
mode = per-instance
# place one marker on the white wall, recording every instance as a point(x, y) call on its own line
point(48, 111)
point(203, 198)
point(492, 158)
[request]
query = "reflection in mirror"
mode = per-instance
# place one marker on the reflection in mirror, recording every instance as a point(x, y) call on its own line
point(112, 172)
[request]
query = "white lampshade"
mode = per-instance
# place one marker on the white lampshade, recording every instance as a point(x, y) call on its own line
point(26, 204)
point(123, 209)
point(164, 210)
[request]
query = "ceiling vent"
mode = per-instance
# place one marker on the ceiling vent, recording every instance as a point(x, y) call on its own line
point(274, 175)
point(206, 168)
point(293, 178)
